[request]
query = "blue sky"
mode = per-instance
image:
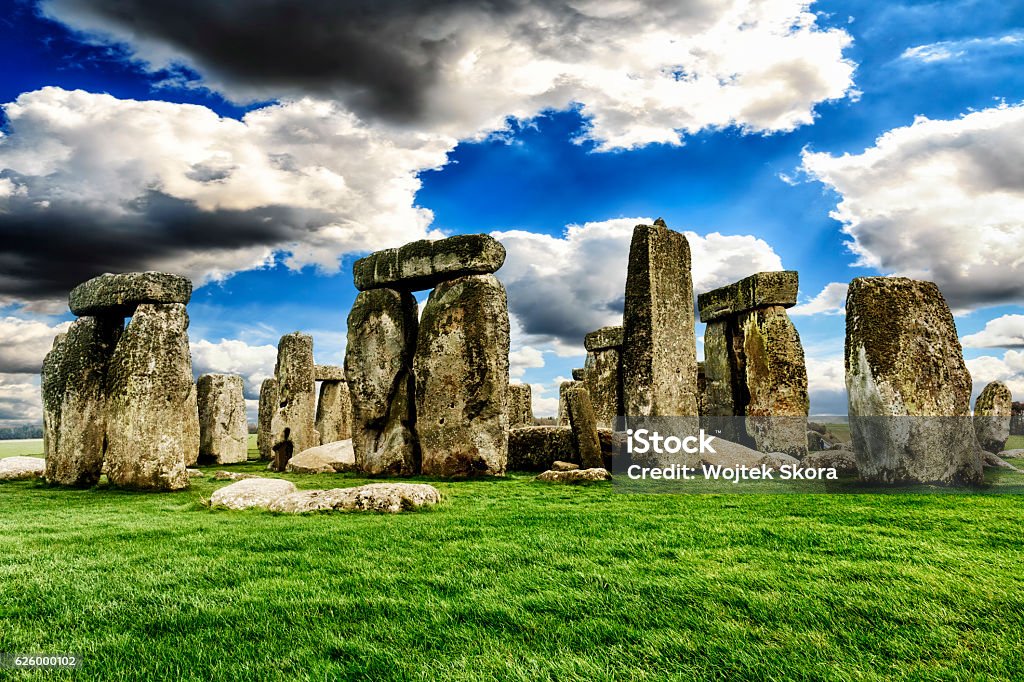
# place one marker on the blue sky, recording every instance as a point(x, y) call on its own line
point(755, 154)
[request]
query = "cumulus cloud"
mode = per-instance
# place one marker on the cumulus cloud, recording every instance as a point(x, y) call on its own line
point(24, 343)
point(524, 358)
point(1002, 332)
point(830, 301)
point(560, 288)
point(1009, 369)
point(826, 385)
point(642, 71)
point(231, 356)
point(19, 399)
point(97, 183)
point(946, 50)
point(938, 200)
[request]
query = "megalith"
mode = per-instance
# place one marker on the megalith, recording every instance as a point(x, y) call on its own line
point(993, 409)
point(583, 422)
point(462, 371)
point(563, 412)
point(579, 373)
point(152, 413)
point(520, 405)
point(426, 263)
point(382, 329)
point(603, 374)
point(908, 385)
point(265, 418)
point(334, 411)
point(1017, 419)
point(292, 426)
point(223, 427)
point(659, 349)
point(74, 400)
point(118, 295)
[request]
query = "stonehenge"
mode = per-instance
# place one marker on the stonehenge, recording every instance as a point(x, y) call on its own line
point(993, 410)
point(563, 413)
point(602, 374)
point(754, 363)
point(223, 428)
point(333, 409)
point(1017, 419)
point(430, 394)
point(265, 417)
point(583, 423)
point(292, 425)
point(908, 386)
point(520, 405)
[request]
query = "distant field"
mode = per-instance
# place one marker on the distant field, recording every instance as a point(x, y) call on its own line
point(10, 448)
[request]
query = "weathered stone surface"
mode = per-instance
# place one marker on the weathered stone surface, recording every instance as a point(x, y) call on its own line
point(378, 363)
point(718, 372)
point(229, 475)
point(1017, 420)
point(776, 460)
point(659, 350)
point(727, 454)
point(761, 290)
point(269, 400)
point(223, 428)
point(906, 378)
point(329, 458)
point(461, 369)
point(536, 448)
point(603, 338)
point(194, 473)
point(564, 466)
point(992, 412)
point(578, 373)
point(119, 295)
point(584, 428)
point(292, 427)
point(575, 476)
point(21, 468)
point(1017, 453)
point(152, 414)
point(329, 373)
point(995, 462)
point(520, 405)
point(74, 400)
point(425, 264)
point(251, 492)
point(563, 414)
point(384, 498)
point(603, 379)
point(843, 461)
point(334, 412)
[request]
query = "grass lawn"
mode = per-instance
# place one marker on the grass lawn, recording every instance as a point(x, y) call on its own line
point(512, 579)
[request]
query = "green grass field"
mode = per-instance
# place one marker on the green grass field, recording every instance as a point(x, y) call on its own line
point(513, 579)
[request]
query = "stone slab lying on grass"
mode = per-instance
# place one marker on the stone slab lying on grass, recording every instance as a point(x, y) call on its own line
point(324, 459)
point(1012, 454)
point(252, 492)
point(575, 476)
point(388, 498)
point(19, 468)
point(996, 462)
point(120, 294)
point(232, 476)
point(564, 466)
point(843, 461)
point(194, 473)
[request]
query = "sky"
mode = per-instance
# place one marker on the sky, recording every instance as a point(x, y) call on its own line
point(261, 148)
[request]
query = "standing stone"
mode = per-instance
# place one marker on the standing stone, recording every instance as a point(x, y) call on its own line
point(223, 428)
point(461, 368)
point(584, 428)
point(74, 400)
point(292, 427)
point(520, 405)
point(152, 414)
point(992, 412)
point(265, 418)
point(378, 363)
point(563, 412)
point(659, 352)
point(909, 388)
point(603, 376)
point(334, 412)
point(1017, 420)
point(119, 295)
point(425, 264)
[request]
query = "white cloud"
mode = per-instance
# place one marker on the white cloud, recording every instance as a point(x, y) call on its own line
point(1009, 369)
point(524, 358)
point(826, 385)
point(946, 50)
point(24, 344)
point(19, 399)
point(545, 400)
point(938, 200)
point(1002, 332)
point(830, 301)
point(230, 356)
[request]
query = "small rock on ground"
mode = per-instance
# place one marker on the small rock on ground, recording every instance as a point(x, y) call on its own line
point(252, 492)
point(564, 466)
point(575, 476)
point(388, 498)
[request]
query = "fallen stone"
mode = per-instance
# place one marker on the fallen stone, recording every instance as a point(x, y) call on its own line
point(727, 454)
point(659, 349)
point(536, 448)
point(520, 405)
point(908, 385)
point(761, 290)
point(461, 367)
point(564, 466)
point(583, 423)
point(575, 476)
point(251, 492)
point(194, 473)
point(334, 412)
point(73, 387)
point(21, 468)
point(329, 373)
point(385, 498)
point(993, 410)
point(843, 461)
point(152, 413)
point(223, 427)
point(1012, 454)
point(603, 338)
point(378, 363)
point(330, 458)
point(293, 424)
point(776, 460)
point(995, 462)
point(425, 264)
point(119, 295)
point(231, 476)
point(265, 419)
